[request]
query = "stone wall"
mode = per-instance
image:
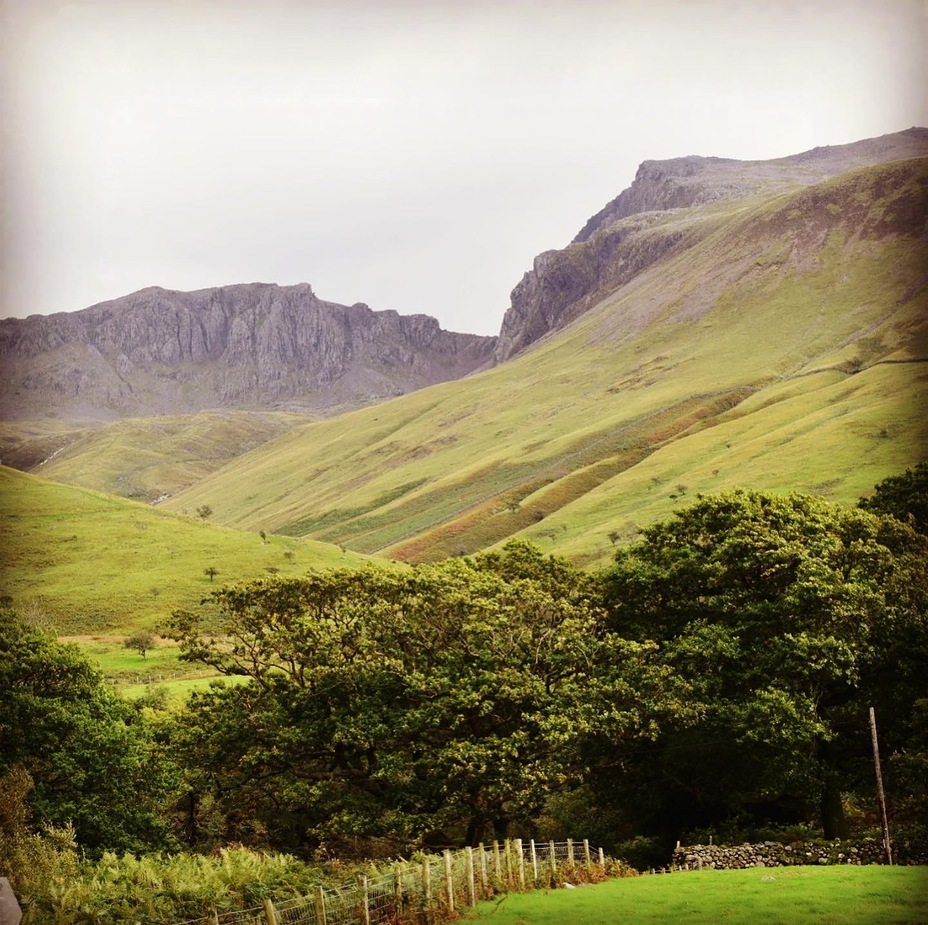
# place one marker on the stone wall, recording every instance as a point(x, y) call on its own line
point(775, 854)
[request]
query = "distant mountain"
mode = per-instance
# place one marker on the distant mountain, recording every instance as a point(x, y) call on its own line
point(718, 324)
point(780, 344)
point(256, 346)
point(657, 215)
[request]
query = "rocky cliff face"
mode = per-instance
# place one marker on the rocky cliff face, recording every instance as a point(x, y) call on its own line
point(654, 216)
point(246, 346)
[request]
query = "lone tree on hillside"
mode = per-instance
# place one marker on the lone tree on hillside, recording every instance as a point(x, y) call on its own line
point(212, 571)
point(141, 641)
point(204, 512)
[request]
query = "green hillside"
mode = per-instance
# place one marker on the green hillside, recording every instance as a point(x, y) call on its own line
point(82, 561)
point(141, 458)
point(786, 349)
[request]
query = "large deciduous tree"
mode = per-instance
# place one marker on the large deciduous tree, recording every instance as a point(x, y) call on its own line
point(786, 615)
point(439, 704)
point(91, 757)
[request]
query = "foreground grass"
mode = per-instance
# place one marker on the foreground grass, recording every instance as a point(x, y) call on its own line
point(791, 896)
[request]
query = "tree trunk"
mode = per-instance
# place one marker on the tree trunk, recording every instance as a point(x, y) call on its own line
point(501, 828)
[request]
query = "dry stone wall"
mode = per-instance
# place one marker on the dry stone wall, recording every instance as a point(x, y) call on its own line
point(775, 854)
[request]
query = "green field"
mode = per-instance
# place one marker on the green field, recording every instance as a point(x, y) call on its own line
point(774, 896)
point(82, 562)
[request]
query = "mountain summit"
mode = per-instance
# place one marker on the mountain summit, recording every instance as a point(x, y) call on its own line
point(254, 346)
point(670, 206)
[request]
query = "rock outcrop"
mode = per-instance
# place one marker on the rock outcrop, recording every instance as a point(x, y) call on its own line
point(647, 221)
point(253, 346)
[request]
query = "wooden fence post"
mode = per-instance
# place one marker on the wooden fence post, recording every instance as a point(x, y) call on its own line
point(471, 880)
point(449, 880)
point(366, 900)
point(398, 887)
point(496, 862)
point(602, 858)
point(320, 906)
point(484, 876)
point(517, 845)
point(507, 849)
point(270, 913)
point(586, 853)
point(570, 851)
point(426, 883)
point(215, 918)
point(534, 860)
point(552, 859)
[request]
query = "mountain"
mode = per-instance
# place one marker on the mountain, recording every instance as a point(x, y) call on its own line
point(658, 214)
point(718, 324)
point(781, 343)
point(256, 346)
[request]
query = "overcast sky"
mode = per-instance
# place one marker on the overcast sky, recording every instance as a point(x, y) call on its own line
point(412, 155)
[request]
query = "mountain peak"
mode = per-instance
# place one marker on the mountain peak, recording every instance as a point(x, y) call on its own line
point(249, 345)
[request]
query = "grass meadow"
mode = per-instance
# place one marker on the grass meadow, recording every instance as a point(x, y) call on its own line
point(82, 562)
point(872, 895)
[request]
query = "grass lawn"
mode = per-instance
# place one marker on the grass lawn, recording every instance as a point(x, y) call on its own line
point(871, 895)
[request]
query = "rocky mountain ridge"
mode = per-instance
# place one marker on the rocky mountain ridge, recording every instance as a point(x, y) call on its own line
point(262, 346)
point(670, 206)
point(244, 346)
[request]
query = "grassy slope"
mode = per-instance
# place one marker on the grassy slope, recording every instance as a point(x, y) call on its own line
point(776, 896)
point(146, 458)
point(89, 562)
point(730, 364)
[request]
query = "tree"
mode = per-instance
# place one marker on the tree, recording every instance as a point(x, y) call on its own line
point(204, 512)
point(141, 641)
point(92, 758)
point(904, 497)
point(784, 615)
point(211, 572)
point(431, 705)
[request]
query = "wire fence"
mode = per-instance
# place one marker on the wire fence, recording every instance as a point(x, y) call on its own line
point(430, 887)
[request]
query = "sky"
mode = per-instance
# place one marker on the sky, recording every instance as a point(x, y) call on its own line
point(411, 155)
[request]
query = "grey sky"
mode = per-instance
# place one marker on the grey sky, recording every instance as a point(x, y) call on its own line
point(411, 155)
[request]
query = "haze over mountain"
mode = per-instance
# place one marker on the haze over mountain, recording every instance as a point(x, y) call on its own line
point(719, 323)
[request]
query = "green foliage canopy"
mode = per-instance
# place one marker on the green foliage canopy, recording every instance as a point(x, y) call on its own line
point(904, 496)
point(422, 706)
point(94, 762)
point(785, 615)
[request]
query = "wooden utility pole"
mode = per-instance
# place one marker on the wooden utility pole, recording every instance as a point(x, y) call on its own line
point(887, 847)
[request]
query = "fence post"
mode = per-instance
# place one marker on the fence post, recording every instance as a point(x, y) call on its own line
point(270, 913)
point(517, 844)
point(534, 860)
point(484, 878)
point(471, 880)
point(320, 906)
point(602, 859)
point(496, 864)
point(507, 849)
point(552, 858)
point(449, 880)
point(570, 851)
point(398, 887)
point(426, 883)
point(586, 853)
point(214, 918)
point(366, 899)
